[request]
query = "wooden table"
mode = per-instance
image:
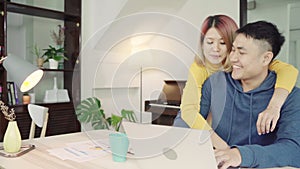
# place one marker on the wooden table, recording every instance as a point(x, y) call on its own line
point(39, 158)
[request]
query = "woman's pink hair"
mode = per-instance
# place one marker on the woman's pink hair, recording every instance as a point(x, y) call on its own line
point(226, 27)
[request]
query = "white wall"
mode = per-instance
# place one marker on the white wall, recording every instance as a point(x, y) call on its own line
point(294, 37)
point(275, 11)
point(119, 37)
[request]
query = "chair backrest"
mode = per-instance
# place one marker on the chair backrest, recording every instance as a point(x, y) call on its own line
point(39, 116)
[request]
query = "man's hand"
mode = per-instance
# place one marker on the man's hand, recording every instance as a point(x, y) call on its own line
point(217, 141)
point(228, 157)
point(267, 120)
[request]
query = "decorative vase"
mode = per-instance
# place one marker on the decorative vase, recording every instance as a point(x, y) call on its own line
point(40, 62)
point(12, 138)
point(53, 64)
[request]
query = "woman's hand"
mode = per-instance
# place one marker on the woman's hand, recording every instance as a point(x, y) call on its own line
point(267, 120)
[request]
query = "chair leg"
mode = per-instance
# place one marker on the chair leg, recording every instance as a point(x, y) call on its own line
point(32, 130)
point(43, 132)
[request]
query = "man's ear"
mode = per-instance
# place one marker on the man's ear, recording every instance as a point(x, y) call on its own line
point(268, 56)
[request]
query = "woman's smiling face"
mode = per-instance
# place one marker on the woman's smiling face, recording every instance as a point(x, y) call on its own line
point(214, 47)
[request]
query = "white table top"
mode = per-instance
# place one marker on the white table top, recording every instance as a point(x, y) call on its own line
point(39, 158)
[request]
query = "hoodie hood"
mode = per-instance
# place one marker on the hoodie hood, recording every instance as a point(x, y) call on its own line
point(267, 84)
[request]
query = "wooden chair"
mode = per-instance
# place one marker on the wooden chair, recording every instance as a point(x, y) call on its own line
point(39, 116)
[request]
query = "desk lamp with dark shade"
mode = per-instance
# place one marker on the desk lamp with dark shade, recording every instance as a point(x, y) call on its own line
point(26, 76)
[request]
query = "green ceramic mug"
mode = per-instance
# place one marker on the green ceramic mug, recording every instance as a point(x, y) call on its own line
point(119, 144)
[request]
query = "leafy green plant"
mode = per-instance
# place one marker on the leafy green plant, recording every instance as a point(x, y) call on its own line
point(54, 53)
point(37, 51)
point(89, 111)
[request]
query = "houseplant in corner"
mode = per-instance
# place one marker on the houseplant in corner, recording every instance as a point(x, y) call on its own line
point(54, 55)
point(39, 57)
point(90, 111)
point(12, 138)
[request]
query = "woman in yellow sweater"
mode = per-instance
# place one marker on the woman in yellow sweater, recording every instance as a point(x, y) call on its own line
point(217, 35)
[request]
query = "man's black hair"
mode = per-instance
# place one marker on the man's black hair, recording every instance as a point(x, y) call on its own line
point(263, 30)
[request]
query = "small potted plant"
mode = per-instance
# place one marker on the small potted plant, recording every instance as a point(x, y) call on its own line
point(39, 57)
point(12, 137)
point(89, 111)
point(54, 55)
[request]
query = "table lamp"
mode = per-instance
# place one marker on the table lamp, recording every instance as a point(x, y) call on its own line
point(23, 73)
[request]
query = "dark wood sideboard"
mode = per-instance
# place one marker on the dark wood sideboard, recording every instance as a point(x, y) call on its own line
point(166, 107)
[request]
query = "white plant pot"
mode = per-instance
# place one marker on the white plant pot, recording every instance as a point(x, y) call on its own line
point(53, 64)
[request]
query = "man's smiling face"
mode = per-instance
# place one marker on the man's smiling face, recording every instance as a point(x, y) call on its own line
point(247, 58)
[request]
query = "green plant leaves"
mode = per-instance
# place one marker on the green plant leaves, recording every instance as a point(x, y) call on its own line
point(128, 115)
point(54, 53)
point(37, 51)
point(89, 111)
point(116, 121)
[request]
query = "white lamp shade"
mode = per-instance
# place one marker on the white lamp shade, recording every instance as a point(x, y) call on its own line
point(23, 73)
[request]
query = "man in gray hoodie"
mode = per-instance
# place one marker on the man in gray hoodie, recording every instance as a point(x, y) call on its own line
point(247, 91)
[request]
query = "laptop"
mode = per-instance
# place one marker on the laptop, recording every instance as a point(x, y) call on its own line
point(157, 146)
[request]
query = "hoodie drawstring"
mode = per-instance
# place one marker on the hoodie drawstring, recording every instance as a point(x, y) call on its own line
point(231, 118)
point(250, 121)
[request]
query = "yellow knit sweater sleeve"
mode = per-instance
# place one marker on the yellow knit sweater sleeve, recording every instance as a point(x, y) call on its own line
point(190, 101)
point(286, 75)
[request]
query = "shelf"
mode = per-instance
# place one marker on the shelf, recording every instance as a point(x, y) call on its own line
point(41, 12)
point(57, 70)
point(40, 103)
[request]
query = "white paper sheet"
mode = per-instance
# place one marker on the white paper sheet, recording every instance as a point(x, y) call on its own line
point(81, 151)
